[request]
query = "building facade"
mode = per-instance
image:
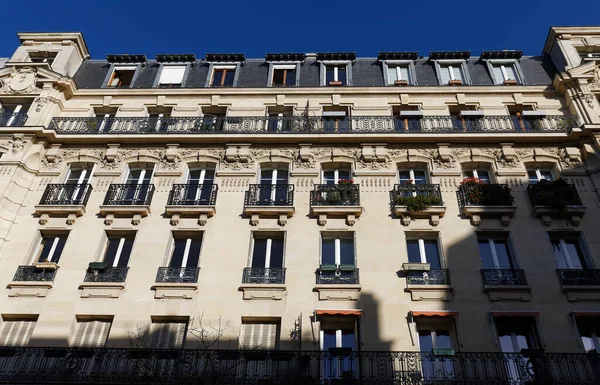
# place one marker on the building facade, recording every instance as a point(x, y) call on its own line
point(394, 219)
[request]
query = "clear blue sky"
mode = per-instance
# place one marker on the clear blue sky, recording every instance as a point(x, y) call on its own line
point(255, 27)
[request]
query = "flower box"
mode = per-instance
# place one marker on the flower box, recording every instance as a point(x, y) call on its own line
point(335, 83)
point(46, 265)
point(401, 83)
point(510, 82)
point(455, 82)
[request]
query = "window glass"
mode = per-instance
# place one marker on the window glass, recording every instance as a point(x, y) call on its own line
point(568, 254)
point(346, 252)
point(276, 261)
point(259, 254)
point(51, 248)
point(118, 251)
point(329, 339)
point(217, 78)
point(328, 252)
point(414, 255)
point(431, 251)
point(425, 341)
point(342, 74)
point(229, 76)
point(329, 74)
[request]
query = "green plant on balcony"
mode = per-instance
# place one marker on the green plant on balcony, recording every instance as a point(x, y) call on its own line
point(480, 193)
point(333, 198)
point(418, 203)
point(556, 194)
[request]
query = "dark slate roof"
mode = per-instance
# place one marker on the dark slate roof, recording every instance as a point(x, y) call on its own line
point(366, 72)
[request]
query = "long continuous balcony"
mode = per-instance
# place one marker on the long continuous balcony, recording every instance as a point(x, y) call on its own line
point(263, 275)
point(255, 367)
point(66, 194)
point(10, 119)
point(106, 274)
point(309, 125)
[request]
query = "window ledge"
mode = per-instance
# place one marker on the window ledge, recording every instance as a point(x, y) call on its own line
point(433, 213)
point(29, 288)
point(70, 211)
point(268, 291)
point(430, 292)
point(281, 212)
point(136, 211)
point(338, 292)
point(178, 211)
point(174, 290)
point(582, 293)
point(101, 289)
point(572, 213)
point(505, 213)
point(350, 212)
point(509, 293)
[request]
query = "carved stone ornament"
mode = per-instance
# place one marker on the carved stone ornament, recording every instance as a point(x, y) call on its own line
point(501, 159)
point(22, 80)
point(595, 83)
point(444, 163)
point(17, 144)
point(41, 102)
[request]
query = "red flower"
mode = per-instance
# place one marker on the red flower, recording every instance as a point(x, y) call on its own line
point(472, 180)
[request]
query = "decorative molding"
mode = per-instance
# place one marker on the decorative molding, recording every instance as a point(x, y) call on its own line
point(22, 80)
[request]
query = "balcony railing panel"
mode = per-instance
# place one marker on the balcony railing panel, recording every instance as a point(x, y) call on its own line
point(129, 194)
point(109, 274)
point(11, 119)
point(554, 194)
point(310, 125)
point(579, 276)
point(177, 274)
point(333, 276)
point(484, 195)
point(335, 195)
point(269, 195)
point(431, 277)
point(503, 277)
point(252, 367)
point(193, 195)
point(402, 194)
point(66, 194)
point(263, 275)
point(32, 273)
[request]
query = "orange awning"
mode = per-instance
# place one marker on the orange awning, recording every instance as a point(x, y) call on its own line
point(356, 313)
point(586, 313)
point(436, 313)
point(515, 313)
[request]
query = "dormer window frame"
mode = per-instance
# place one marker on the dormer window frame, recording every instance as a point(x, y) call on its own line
point(275, 65)
point(323, 64)
point(223, 66)
point(451, 63)
point(122, 66)
point(386, 64)
point(186, 73)
point(490, 63)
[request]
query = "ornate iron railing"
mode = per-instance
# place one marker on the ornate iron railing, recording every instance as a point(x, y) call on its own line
point(430, 277)
point(10, 119)
point(193, 195)
point(484, 195)
point(503, 277)
point(308, 125)
point(579, 276)
point(337, 275)
point(177, 274)
point(32, 273)
point(335, 195)
point(269, 195)
point(66, 194)
point(263, 275)
point(129, 194)
point(108, 274)
point(255, 367)
point(558, 194)
point(407, 194)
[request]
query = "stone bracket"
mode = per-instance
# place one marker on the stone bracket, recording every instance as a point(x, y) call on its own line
point(430, 292)
point(273, 292)
point(29, 289)
point(338, 292)
point(508, 293)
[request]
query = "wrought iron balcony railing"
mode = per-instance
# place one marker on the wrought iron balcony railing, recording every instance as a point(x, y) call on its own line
point(269, 195)
point(503, 277)
point(263, 275)
point(259, 367)
point(309, 125)
point(579, 276)
point(343, 274)
point(33, 273)
point(557, 194)
point(335, 195)
point(193, 195)
point(425, 194)
point(177, 274)
point(431, 277)
point(484, 195)
point(108, 274)
point(10, 119)
point(66, 194)
point(129, 194)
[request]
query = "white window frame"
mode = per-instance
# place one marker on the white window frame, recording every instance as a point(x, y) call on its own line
point(200, 181)
point(52, 248)
point(186, 251)
point(594, 336)
point(451, 64)
point(336, 174)
point(409, 64)
point(223, 66)
point(114, 68)
point(269, 239)
point(295, 65)
point(337, 244)
point(491, 63)
point(336, 64)
point(538, 173)
point(412, 174)
point(565, 251)
point(433, 332)
point(82, 177)
point(142, 174)
point(476, 173)
point(492, 245)
point(421, 242)
point(185, 66)
point(273, 178)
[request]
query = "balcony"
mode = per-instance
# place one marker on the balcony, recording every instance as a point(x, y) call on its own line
point(103, 281)
point(478, 199)
point(580, 284)
point(68, 200)
point(337, 282)
point(33, 281)
point(506, 285)
point(311, 125)
point(192, 200)
point(10, 119)
point(127, 200)
point(339, 200)
point(556, 199)
point(263, 283)
point(431, 284)
point(176, 282)
point(106, 274)
point(177, 274)
point(268, 200)
point(411, 201)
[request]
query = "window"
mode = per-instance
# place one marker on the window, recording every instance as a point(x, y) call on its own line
point(118, 249)
point(332, 177)
point(186, 251)
point(160, 121)
point(260, 335)
point(199, 186)
point(515, 333)
point(398, 74)
point(339, 334)
point(42, 57)
point(105, 119)
point(335, 74)
point(277, 119)
point(267, 251)
point(171, 76)
point(336, 121)
point(78, 177)
point(424, 250)
point(589, 329)
point(136, 188)
point(223, 76)
point(337, 251)
point(435, 339)
point(16, 332)
point(539, 174)
point(51, 247)
point(451, 73)
point(408, 118)
point(17, 113)
point(482, 175)
point(495, 252)
point(167, 333)
point(270, 178)
point(284, 75)
point(505, 73)
point(121, 77)
point(91, 333)
point(569, 252)
point(213, 120)
point(412, 176)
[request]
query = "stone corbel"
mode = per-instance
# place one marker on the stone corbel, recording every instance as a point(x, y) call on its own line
point(53, 153)
point(305, 154)
point(444, 153)
point(71, 219)
point(171, 153)
point(137, 218)
point(573, 154)
point(43, 219)
point(111, 153)
point(237, 153)
point(109, 219)
point(374, 152)
point(202, 219)
point(508, 152)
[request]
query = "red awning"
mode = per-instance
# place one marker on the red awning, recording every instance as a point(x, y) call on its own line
point(515, 313)
point(356, 313)
point(586, 313)
point(435, 313)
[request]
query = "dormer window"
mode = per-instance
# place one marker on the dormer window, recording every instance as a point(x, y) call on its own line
point(284, 69)
point(42, 57)
point(336, 68)
point(451, 68)
point(398, 67)
point(452, 74)
point(172, 76)
point(335, 75)
point(121, 77)
point(504, 66)
point(224, 69)
point(223, 76)
point(284, 75)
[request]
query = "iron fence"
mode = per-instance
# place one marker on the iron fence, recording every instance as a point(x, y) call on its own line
point(503, 277)
point(405, 194)
point(263, 275)
point(329, 275)
point(10, 119)
point(484, 194)
point(66, 194)
point(579, 276)
point(269, 195)
point(177, 274)
point(193, 195)
point(129, 194)
point(335, 195)
point(108, 274)
point(430, 277)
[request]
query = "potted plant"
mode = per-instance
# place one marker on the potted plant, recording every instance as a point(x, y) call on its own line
point(480, 193)
point(345, 182)
point(418, 203)
point(556, 194)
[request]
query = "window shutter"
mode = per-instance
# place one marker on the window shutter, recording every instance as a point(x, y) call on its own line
point(16, 333)
point(392, 75)
point(498, 77)
point(445, 73)
point(259, 336)
point(168, 334)
point(268, 337)
point(91, 333)
point(247, 336)
point(172, 75)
